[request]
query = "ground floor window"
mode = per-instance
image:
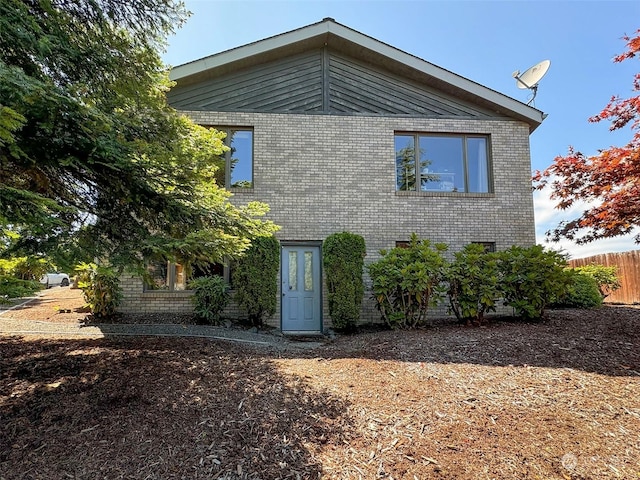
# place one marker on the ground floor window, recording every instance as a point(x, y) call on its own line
point(175, 277)
point(442, 163)
point(488, 246)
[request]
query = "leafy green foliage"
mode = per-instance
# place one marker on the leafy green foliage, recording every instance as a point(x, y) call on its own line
point(210, 297)
point(255, 278)
point(102, 292)
point(606, 277)
point(532, 278)
point(582, 292)
point(12, 287)
point(343, 259)
point(473, 284)
point(406, 281)
point(93, 162)
point(31, 268)
point(25, 268)
point(84, 272)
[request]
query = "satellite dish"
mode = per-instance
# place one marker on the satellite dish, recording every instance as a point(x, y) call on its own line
point(530, 78)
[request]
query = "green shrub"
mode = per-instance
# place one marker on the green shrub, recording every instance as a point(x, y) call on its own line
point(606, 277)
point(531, 279)
point(210, 297)
point(343, 259)
point(582, 292)
point(31, 268)
point(25, 268)
point(473, 284)
point(255, 279)
point(102, 291)
point(12, 287)
point(406, 281)
point(83, 273)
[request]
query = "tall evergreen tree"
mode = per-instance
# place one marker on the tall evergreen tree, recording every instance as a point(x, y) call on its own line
point(93, 160)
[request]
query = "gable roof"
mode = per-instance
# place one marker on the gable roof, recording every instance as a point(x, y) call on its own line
point(330, 34)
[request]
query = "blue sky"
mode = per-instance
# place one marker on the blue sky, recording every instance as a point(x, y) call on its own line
point(484, 41)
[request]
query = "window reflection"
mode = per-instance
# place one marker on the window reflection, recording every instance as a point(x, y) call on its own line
point(477, 164)
point(405, 162)
point(235, 167)
point(443, 164)
point(164, 275)
point(447, 163)
point(241, 158)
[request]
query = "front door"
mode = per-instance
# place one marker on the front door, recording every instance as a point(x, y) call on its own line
point(301, 289)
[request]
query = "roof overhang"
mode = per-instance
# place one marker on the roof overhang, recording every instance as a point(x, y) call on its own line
point(346, 40)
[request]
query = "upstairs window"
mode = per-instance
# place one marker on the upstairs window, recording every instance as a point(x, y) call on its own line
point(442, 163)
point(238, 168)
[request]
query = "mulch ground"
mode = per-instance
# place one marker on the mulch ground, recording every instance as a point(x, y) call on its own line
point(557, 400)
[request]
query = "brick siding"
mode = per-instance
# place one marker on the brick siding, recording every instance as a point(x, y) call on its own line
point(322, 174)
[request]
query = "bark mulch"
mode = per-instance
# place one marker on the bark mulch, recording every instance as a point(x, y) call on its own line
point(556, 400)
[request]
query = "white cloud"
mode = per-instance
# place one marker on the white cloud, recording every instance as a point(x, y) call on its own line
point(547, 218)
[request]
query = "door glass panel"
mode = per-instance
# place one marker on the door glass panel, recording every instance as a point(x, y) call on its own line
point(308, 271)
point(293, 270)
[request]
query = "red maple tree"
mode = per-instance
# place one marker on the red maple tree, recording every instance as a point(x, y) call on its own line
point(610, 179)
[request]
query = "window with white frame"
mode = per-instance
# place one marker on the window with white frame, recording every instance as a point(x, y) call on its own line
point(442, 163)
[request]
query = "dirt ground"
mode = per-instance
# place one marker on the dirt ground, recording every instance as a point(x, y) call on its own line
point(56, 305)
point(557, 400)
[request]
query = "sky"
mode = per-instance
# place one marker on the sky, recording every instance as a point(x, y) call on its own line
point(484, 41)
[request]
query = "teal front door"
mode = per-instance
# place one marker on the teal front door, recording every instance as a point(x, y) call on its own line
point(301, 289)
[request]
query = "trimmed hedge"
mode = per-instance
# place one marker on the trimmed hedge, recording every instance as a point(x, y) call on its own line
point(255, 279)
point(343, 259)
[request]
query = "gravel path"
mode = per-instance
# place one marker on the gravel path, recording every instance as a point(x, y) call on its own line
point(39, 316)
point(12, 327)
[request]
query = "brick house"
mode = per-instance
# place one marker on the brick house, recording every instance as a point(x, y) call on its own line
point(324, 124)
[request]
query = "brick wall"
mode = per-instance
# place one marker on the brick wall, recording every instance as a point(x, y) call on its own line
point(137, 300)
point(322, 174)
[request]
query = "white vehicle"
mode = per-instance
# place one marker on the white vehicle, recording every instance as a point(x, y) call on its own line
point(53, 279)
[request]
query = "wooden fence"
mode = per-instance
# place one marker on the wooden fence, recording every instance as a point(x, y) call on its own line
point(628, 264)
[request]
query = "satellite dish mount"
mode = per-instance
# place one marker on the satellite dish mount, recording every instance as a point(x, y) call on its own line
point(530, 78)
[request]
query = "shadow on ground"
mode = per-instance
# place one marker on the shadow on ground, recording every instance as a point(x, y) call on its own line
point(157, 408)
point(604, 341)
